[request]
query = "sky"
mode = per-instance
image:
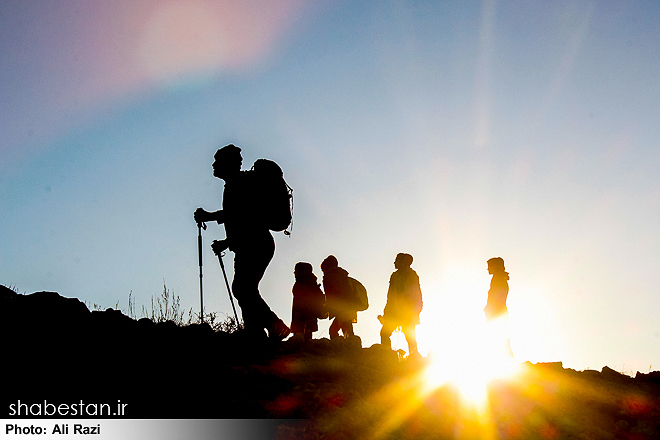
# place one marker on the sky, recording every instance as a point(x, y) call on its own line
point(455, 131)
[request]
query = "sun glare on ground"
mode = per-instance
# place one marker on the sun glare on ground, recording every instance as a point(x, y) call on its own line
point(480, 357)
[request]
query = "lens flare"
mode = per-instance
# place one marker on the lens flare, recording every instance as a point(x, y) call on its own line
point(482, 355)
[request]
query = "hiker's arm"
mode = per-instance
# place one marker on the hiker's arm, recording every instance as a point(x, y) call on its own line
point(219, 246)
point(203, 216)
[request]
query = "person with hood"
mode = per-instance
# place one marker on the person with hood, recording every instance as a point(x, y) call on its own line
point(497, 314)
point(308, 301)
point(499, 289)
point(404, 303)
point(340, 298)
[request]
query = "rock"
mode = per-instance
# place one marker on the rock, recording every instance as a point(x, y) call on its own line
point(610, 374)
point(558, 366)
point(653, 377)
point(353, 342)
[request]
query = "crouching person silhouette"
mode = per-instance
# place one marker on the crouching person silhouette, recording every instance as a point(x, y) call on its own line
point(250, 240)
point(308, 302)
point(497, 314)
point(404, 303)
point(340, 298)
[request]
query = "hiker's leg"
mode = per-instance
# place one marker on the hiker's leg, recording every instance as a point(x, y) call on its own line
point(250, 264)
point(310, 327)
point(411, 338)
point(334, 328)
point(385, 334)
point(347, 328)
point(246, 292)
point(498, 334)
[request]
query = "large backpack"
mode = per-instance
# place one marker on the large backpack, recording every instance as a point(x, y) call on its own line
point(360, 292)
point(274, 196)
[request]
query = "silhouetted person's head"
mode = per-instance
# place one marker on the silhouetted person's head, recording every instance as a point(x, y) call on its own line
point(495, 265)
point(329, 263)
point(228, 161)
point(403, 261)
point(302, 270)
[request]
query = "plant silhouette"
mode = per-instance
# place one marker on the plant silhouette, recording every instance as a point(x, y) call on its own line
point(308, 302)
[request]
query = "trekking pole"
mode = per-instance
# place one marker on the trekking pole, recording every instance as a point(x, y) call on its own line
point(231, 298)
point(201, 288)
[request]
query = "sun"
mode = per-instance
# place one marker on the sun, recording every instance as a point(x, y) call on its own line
point(464, 351)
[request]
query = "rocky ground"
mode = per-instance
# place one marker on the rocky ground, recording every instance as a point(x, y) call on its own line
point(56, 349)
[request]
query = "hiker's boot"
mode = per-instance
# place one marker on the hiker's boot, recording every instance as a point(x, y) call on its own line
point(279, 331)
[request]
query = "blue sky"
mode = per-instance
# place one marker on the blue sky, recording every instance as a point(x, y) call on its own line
point(454, 131)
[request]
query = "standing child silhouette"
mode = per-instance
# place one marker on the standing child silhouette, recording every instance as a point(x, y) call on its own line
point(308, 301)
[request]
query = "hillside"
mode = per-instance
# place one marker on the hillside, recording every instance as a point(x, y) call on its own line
point(60, 351)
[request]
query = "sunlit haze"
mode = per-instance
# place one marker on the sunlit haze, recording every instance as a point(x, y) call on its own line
point(453, 131)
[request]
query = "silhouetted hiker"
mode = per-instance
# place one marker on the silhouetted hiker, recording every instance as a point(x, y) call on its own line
point(496, 303)
point(499, 289)
point(308, 302)
point(340, 298)
point(248, 236)
point(404, 303)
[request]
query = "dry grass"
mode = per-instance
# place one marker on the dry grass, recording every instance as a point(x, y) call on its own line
point(167, 307)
